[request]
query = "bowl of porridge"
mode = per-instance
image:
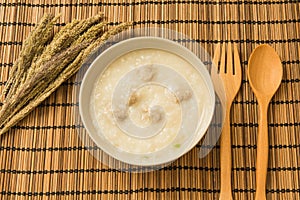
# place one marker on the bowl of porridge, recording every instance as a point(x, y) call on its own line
point(146, 101)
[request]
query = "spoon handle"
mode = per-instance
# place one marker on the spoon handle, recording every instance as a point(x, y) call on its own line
point(262, 153)
point(225, 158)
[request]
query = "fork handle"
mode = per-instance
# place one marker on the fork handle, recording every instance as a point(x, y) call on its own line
point(225, 158)
point(262, 153)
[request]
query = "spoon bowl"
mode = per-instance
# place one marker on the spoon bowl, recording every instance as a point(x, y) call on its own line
point(265, 75)
point(264, 71)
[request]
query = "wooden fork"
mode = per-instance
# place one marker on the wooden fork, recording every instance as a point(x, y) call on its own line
point(226, 76)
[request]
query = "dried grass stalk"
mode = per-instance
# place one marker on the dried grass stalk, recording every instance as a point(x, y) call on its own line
point(64, 39)
point(32, 45)
point(60, 59)
point(39, 81)
point(105, 36)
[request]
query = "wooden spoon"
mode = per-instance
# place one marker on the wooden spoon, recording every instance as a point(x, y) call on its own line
point(265, 75)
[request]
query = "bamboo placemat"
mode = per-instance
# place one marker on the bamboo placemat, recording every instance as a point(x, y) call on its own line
point(42, 157)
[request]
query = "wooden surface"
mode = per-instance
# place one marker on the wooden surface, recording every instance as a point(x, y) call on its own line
point(43, 158)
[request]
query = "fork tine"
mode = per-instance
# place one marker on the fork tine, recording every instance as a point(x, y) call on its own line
point(229, 64)
point(214, 68)
point(237, 61)
point(223, 59)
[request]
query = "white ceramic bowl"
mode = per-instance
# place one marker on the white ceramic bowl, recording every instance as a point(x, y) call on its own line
point(168, 153)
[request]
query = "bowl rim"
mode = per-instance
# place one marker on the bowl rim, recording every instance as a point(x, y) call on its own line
point(204, 73)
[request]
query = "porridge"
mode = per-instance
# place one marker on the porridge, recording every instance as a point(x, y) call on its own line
point(134, 111)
